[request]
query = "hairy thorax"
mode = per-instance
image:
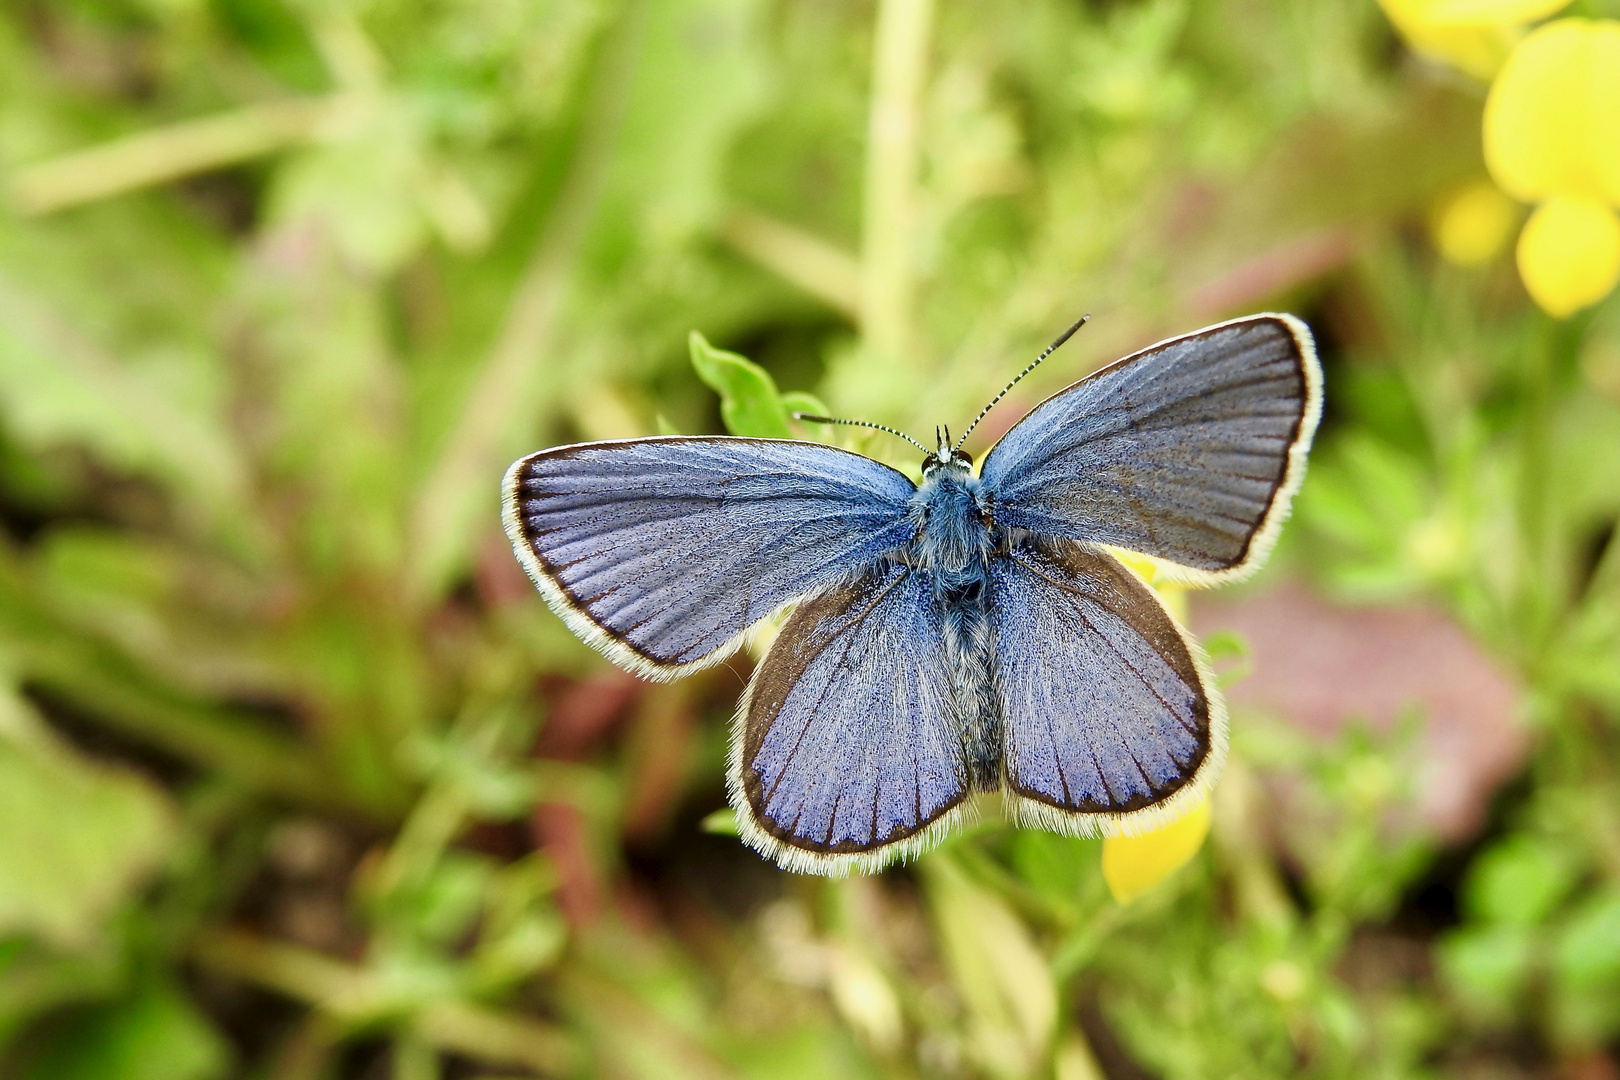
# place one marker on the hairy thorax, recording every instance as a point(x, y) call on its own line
point(955, 532)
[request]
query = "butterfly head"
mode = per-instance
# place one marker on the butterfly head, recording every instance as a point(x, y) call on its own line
point(944, 456)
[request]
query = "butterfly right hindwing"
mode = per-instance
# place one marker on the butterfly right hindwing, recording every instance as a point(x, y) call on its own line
point(1110, 718)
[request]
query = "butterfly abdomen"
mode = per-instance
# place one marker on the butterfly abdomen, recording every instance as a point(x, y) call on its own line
point(969, 641)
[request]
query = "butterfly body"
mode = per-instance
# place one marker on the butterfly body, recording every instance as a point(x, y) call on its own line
point(955, 542)
point(966, 634)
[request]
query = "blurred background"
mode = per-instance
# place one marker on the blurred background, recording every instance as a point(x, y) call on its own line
point(300, 779)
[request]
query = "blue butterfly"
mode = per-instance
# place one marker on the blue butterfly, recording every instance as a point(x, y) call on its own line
point(967, 634)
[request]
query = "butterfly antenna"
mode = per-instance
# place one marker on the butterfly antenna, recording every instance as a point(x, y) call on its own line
point(814, 419)
point(1050, 349)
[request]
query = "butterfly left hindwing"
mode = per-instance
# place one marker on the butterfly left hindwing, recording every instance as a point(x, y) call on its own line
point(846, 751)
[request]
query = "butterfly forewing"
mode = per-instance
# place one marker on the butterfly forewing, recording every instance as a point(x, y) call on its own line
point(1106, 710)
point(1189, 451)
point(846, 754)
point(663, 551)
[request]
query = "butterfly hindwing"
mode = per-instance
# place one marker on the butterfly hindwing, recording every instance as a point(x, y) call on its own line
point(845, 754)
point(662, 551)
point(1108, 713)
point(1189, 451)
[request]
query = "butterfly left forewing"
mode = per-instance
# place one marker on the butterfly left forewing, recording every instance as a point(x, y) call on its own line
point(1111, 721)
point(845, 754)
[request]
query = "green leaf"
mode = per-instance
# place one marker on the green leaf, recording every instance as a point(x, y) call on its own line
point(36, 979)
point(57, 387)
point(360, 191)
point(75, 838)
point(749, 402)
point(1519, 881)
point(1588, 949)
point(1487, 967)
point(156, 1035)
point(802, 401)
point(722, 822)
point(1059, 868)
point(1586, 973)
point(999, 972)
point(450, 897)
point(699, 77)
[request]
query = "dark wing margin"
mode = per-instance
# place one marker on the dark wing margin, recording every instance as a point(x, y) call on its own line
point(1111, 720)
point(844, 753)
point(662, 552)
point(1189, 451)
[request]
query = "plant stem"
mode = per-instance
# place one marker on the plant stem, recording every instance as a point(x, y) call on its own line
point(1240, 841)
point(899, 73)
point(171, 152)
point(459, 484)
point(352, 995)
point(819, 268)
point(102, 682)
point(1542, 586)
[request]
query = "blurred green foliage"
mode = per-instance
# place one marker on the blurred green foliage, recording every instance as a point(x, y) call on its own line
point(299, 778)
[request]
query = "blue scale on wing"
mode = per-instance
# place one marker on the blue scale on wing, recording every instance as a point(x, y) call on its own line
point(676, 546)
point(1103, 707)
point(848, 741)
point(1178, 451)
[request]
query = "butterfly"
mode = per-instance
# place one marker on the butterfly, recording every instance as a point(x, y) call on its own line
point(970, 633)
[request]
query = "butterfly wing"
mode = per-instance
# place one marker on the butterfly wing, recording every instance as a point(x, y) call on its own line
point(1110, 719)
point(845, 754)
point(663, 551)
point(1189, 451)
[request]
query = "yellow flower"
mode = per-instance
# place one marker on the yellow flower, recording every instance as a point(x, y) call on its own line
point(1144, 567)
point(1552, 121)
point(1473, 35)
point(1552, 136)
point(1569, 254)
point(1470, 225)
point(1134, 864)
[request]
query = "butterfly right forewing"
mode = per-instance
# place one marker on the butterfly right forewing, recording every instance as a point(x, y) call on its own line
point(1189, 451)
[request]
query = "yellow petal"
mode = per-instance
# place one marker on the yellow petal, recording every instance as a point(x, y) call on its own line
point(1141, 565)
point(1133, 864)
point(1569, 254)
point(1147, 568)
point(1477, 49)
point(1489, 12)
point(1473, 224)
point(1175, 600)
point(1552, 120)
